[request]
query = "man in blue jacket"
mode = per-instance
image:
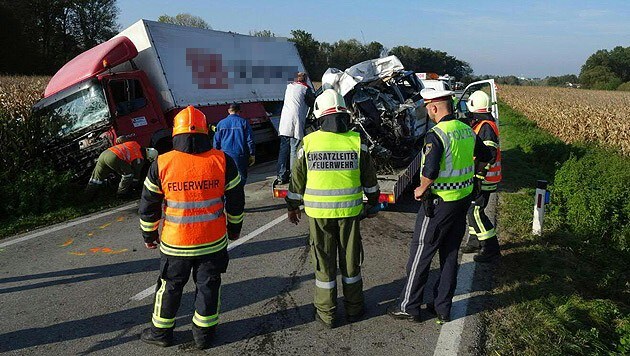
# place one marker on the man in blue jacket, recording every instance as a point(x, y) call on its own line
point(234, 137)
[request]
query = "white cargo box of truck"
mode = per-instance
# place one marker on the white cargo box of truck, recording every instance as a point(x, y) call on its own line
point(207, 68)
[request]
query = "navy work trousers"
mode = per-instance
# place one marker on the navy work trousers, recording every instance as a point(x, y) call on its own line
point(444, 233)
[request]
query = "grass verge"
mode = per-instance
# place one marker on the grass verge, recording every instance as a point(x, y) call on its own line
point(68, 206)
point(565, 292)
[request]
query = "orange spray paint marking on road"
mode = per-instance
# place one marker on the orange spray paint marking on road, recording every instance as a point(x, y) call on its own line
point(115, 252)
point(77, 253)
point(121, 219)
point(104, 225)
point(95, 249)
point(67, 243)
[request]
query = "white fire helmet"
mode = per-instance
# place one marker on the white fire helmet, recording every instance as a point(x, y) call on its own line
point(478, 102)
point(152, 154)
point(329, 102)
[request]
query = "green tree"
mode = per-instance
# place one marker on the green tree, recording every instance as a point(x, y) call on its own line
point(42, 35)
point(185, 19)
point(624, 87)
point(262, 33)
point(313, 53)
point(613, 65)
point(562, 80)
point(94, 21)
point(600, 77)
point(428, 60)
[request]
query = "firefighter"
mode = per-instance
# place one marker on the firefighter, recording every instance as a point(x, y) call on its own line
point(203, 208)
point(445, 189)
point(332, 171)
point(482, 234)
point(126, 159)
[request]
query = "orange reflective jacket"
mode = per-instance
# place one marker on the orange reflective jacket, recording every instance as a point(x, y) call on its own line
point(193, 186)
point(494, 173)
point(128, 151)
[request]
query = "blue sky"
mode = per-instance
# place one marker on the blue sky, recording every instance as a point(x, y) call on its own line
point(524, 38)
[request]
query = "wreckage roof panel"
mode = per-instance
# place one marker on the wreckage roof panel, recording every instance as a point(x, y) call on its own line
point(92, 62)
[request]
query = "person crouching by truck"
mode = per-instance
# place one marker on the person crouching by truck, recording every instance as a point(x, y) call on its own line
point(233, 135)
point(125, 159)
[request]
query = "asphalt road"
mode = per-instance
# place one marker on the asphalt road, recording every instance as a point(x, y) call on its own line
point(70, 291)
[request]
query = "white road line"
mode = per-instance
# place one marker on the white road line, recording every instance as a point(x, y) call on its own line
point(48, 230)
point(451, 332)
point(149, 291)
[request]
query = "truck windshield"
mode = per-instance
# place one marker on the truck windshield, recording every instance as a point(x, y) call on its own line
point(81, 109)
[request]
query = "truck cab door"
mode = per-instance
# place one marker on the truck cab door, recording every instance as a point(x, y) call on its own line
point(135, 107)
point(487, 86)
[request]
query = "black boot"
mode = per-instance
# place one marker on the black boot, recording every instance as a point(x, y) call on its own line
point(472, 245)
point(489, 250)
point(203, 336)
point(157, 336)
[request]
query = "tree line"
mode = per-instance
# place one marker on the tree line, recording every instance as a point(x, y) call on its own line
point(603, 70)
point(607, 70)
point(318, 56)
point(40, 36)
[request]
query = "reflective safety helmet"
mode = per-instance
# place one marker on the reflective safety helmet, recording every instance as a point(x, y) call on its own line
point(329, 102)
point(190, 120)
point(478, 102)
point(152, 153)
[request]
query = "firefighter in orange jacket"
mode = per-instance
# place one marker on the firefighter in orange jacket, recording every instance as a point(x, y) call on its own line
point(482, 234)
point(126, 159)
point(203, 208)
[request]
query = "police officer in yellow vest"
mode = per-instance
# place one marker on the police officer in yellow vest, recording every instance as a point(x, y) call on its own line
point(445, 190)
point(203, 208)
point(482, 234)
point(332, 171)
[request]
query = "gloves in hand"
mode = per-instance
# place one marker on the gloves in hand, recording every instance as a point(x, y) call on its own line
point(151, 242)
point(294, 216)
point(477, 180)
point(252, 160)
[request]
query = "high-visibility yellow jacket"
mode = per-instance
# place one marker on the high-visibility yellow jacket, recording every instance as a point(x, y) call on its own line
point(457, 163)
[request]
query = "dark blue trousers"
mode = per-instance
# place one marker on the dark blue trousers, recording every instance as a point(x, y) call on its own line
point(442, 233)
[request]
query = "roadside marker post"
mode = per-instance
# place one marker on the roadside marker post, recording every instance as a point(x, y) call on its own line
point(541, 199)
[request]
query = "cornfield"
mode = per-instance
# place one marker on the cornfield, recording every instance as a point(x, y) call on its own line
point(574, 114)
point(19, 93)
point(20, 132)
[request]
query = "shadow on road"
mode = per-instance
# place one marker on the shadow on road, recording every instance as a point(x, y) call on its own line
point(256, 248)
point(82, 274)
point(266, 208)
point(236, 295)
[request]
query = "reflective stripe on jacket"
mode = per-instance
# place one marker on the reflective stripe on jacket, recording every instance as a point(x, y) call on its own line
point(333, 178)
point(128, 151)
point(193, 186)
point(494, 172)
point(456, 166)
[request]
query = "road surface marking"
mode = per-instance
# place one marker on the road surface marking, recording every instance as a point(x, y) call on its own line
point(47, 230)
point(451, 332)
point(67, 243)
point(149, 291)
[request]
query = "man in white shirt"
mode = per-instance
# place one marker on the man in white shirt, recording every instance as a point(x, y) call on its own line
point(297, 99)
